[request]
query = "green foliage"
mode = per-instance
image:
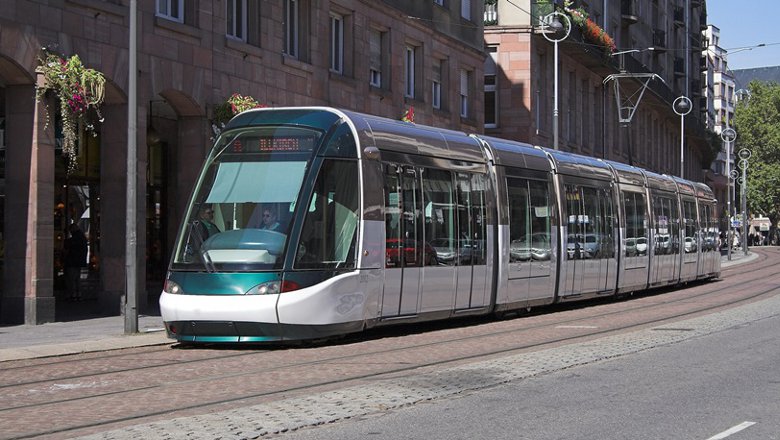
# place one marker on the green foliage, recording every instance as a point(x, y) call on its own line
point(77, 89)
point(713, 144)
point(757, 123)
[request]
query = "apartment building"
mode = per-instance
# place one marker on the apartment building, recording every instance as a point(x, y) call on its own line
point(645, 38)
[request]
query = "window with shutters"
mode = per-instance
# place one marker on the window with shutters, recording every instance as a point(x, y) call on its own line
point(436, 89)
point(297, 29)
point(236, 16)
point(465, 9)
point(491, 96)
point(291, 28)
point(410, 72)
point(171, 9)
point(375, 40)
point(337, 43)
point(465, 79)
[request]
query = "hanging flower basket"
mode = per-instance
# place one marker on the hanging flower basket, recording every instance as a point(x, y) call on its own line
point(234, 105)
point(78, 90)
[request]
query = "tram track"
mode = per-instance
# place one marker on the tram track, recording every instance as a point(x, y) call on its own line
point(389, 368)
point(660, 292)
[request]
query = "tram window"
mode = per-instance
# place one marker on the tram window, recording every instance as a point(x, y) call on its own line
point(329, 233)
point(479, 218)
point(664, 219)
point(472, 212)
point(607, 239)
point(519, 224)
point(539, 214)
point(636, 220)
point(575, 243)
point(691, 227)
point(529, 220)
point(393, 233)
point(342, 143)
point(440, 214)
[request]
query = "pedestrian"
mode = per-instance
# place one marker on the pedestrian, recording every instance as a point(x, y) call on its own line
point(75, 260)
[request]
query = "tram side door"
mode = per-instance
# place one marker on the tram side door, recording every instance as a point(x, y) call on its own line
point(584, 271)
point(404, 247)
point(690, 244)
point(472, 274)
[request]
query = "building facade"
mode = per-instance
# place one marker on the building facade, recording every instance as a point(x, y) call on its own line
point(719, 92)
point(378, 57)
point(661, 37)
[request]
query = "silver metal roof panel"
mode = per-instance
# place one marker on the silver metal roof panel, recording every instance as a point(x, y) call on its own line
point(660, 181)
point(516, 154)
point(627, 174)
point(580, 166)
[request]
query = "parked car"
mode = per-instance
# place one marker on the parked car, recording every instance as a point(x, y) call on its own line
point(641, 245)
point(539, 248)
point(450, 251)
point(577, 248)
point(690, 244)
point(394, 247)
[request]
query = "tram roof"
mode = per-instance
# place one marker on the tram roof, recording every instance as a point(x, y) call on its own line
point(627, 174)
point(579, 166)
point(704, 191)
point(660, 181)
point(408, 138)
point(383, 133)
point(685, 186)
point(516, 154)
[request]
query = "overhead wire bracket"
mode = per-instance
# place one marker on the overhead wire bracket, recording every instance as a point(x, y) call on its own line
point(627, 107)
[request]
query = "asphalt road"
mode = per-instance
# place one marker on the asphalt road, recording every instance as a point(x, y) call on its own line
point(722, 385)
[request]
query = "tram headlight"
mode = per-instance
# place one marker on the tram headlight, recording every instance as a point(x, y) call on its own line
point(273, 287)
point(172, 288)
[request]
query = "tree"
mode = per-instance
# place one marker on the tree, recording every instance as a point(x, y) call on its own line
point(757, 123)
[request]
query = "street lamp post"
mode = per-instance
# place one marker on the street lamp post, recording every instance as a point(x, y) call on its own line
point(682, 106)
point(744, 155)
point(728, 136)
point(554, 23)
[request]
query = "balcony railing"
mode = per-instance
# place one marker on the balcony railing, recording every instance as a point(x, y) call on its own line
point(491, 14)
point(539, 10)
point(629, 11)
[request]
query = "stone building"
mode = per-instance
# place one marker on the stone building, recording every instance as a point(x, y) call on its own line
point(661, 37)
point(720, 95)
point(378, 57)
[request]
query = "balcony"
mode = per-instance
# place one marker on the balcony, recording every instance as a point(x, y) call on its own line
point(491, 14)
point(659, 40)
point(629, 12)
point(539, 11)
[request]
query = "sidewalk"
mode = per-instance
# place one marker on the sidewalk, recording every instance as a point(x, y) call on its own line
point(81, 333)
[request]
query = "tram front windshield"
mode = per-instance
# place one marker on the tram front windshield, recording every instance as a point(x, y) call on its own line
point(245, 200)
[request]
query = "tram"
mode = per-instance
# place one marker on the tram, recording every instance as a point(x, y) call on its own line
point(308, 223)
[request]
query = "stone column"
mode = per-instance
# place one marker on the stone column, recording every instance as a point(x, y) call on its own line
point(19, 111)
point(39, 256)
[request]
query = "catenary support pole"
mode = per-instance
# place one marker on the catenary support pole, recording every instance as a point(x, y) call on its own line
point(131, 248)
